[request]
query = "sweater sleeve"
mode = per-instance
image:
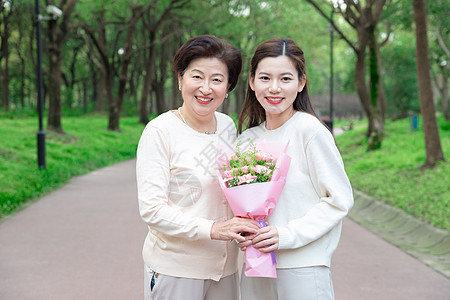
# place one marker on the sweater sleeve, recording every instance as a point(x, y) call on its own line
point(327, 174)
point(153, 176)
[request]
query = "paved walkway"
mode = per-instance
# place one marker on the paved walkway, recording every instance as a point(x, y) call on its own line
point(84, 241)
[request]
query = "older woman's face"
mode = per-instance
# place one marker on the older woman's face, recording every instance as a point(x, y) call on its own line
point(204, 85)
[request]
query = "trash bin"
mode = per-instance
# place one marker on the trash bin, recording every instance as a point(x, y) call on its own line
point(414, 122)
point(328, 122)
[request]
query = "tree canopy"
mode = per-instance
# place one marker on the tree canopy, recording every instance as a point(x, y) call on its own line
point(115, 56)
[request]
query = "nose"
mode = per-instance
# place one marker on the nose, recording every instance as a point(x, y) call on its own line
point(274, 87)
point(205, 88)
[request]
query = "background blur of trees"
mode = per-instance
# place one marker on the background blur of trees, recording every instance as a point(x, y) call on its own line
point(114, 57)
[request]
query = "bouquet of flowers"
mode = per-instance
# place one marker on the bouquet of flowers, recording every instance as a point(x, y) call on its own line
point(252, 182)
point(248, 167)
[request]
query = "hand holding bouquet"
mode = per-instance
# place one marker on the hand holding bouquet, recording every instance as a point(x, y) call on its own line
point(252, 182)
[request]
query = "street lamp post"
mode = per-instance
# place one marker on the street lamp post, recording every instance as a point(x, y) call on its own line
point(40, 104)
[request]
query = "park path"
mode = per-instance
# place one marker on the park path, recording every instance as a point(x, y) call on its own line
point(84, 241)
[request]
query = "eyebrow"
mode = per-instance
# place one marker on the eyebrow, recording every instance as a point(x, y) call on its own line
point(282, 74)
point(215, 74)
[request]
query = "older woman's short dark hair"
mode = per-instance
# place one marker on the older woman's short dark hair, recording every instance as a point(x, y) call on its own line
point(206, 46)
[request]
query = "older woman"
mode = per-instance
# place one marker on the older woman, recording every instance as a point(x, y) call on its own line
point(188, 252)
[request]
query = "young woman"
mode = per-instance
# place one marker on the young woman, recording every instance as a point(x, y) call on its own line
point(188, 252)
point(304, 228)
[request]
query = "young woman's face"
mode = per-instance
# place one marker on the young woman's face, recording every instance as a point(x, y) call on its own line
point(276, 84)
point(204, 85)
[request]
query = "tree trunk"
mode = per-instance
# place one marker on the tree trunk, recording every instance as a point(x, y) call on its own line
point(106, 70)
point(159, 81)
point(443, 89)
point(360, 77)
point(159, 93)
point(241, 88)
point(433, 148)
point(379, 68)
point(57, 35)
point(54, 91)
point(113, 122)
point(114, 110)
point(4, 54)
point(22, 73)
point(5, 89)
point(376, 95)
point(173, 45)
point(373, 97)
point(22, 82)
point(146, 86)
point(445, 98)
point(100, 89)
point(364, 16)
point(175, 91)
point(85, 95)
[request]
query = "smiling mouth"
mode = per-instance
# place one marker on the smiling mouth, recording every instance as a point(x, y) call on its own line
point(274, 100)
point(203, 100)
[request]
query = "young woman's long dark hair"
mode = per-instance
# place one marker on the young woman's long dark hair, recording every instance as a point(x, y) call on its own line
point(253, 113)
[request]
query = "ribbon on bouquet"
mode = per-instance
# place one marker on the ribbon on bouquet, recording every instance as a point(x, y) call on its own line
point(272, 254)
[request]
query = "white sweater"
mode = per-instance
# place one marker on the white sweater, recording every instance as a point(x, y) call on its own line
point(317, 194)
point(180, 198)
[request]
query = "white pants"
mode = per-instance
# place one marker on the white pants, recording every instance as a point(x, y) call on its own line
point(311, 283)
point(176, 288)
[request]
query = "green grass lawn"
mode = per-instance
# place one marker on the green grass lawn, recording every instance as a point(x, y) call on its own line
point(87, 145)
point(393, 174)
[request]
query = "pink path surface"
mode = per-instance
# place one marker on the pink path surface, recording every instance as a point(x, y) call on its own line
point(84, 241)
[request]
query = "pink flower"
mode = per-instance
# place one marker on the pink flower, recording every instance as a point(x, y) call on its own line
point(228, 174)
point(261, 169)
point(248, 178)
point(264, 156)
point(244, 169)
point(227, 179)
point(234, 157)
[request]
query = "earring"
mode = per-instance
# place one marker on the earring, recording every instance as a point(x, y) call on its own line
point(179, 87)
point(226, 95)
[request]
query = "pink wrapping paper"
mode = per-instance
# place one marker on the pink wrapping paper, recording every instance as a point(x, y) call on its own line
point(256, 201)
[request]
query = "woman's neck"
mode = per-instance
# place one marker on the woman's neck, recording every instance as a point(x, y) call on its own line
point(203, 124)
point(274, 121)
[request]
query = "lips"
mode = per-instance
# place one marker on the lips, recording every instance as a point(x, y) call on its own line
point(203, 100)
point(274, 100)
